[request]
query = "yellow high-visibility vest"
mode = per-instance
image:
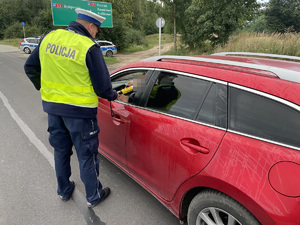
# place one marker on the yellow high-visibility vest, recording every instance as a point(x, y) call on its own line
point(64, 75)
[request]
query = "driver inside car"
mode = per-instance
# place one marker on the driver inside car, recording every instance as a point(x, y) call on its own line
point(137, 85)
point(163, 95)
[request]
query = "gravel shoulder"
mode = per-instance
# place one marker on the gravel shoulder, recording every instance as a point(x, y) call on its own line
point(125, 59)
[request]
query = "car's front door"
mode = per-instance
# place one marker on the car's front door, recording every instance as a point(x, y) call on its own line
point(175, 136)
point(114, 118)
point(112, 131)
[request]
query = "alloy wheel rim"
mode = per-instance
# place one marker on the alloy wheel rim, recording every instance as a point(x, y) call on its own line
point(215, 216)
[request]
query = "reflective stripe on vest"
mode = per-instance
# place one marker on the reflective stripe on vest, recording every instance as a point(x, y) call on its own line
point(64, 76)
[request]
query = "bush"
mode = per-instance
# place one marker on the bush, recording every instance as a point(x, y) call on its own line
point(122, 36)
point(117, 35)
point(135, 37)
point(16, 31)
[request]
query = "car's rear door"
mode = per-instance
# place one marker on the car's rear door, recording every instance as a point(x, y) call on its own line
point(168, 143)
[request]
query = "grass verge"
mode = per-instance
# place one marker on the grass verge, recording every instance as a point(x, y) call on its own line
point(275, 43)
point(110, 60)
point(12, 42)
point(151, 41)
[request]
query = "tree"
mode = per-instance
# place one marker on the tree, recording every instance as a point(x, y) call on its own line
point(2, 22)
point(151, 12)
point(43, 21)
point(282, 15)
point(131, 20)
point(13, 31)
point(216, 20)
point(258, 25)
point(123, 10)
point(117, 35)
point(174, 12)
point(125, 18)
point(259, 22)
point(13, 12)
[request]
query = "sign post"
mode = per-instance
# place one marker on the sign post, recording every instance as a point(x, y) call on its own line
point(23, 25)
point(63, 11)
point(160, 22)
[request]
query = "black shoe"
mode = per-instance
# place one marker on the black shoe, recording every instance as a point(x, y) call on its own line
point(104, 194)
point(68, 198)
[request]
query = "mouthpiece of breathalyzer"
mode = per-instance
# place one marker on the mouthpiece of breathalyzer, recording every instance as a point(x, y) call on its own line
point(126, 90)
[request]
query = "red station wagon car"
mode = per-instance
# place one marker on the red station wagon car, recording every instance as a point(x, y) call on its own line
point(216, 139)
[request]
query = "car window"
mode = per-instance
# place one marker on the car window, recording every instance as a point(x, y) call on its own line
point(35, 40)
point(263, 117)
point(104, 43)
point(121, 80)
point(177, 94)
point(135, 79)
point(214, 108)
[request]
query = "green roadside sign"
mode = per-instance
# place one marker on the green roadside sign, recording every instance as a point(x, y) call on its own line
point(63, 11)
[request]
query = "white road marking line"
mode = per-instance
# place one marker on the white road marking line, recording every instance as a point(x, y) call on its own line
point(89, 214)
point(28, 132)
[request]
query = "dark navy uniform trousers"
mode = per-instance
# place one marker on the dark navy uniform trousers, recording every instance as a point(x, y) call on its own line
point(66, 132)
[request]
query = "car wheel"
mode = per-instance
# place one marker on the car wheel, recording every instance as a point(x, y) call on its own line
point(215, 208)
point(109, 53)
point(27, 50)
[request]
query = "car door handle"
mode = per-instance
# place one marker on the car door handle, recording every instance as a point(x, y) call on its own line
point(118, 120)
point(194, 146)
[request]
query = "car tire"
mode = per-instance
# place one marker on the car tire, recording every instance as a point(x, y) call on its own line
point(212, 207)
point(109, 53)
point(27, 50)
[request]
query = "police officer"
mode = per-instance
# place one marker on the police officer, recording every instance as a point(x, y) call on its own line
point(69, 70)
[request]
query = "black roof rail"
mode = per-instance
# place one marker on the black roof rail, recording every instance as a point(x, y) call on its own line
point(264, 55)
point(285, 74)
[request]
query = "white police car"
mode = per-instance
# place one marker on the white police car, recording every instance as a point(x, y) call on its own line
point(27, 45)
point(108, 48)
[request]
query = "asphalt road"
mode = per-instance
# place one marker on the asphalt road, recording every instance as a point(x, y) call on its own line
point(28, 183)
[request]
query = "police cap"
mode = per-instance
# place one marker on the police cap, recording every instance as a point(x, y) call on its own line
point(90, 16)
